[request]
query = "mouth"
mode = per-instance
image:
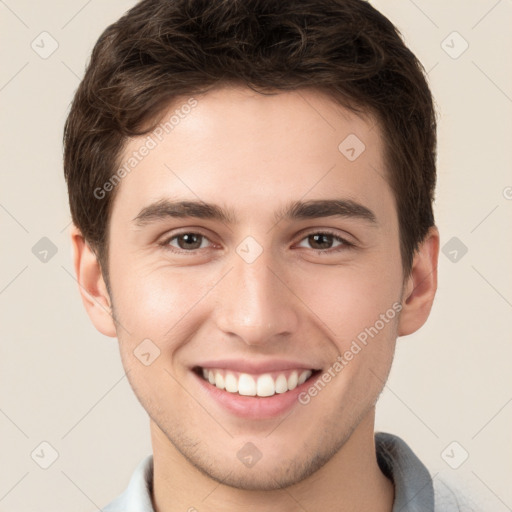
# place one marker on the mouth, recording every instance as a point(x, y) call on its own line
point(262, 385)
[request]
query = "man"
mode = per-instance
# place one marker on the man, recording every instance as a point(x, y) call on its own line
point(251, 185)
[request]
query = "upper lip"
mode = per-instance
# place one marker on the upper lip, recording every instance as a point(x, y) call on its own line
point(256, 367)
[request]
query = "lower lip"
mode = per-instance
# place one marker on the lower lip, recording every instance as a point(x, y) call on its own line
point(254, 407)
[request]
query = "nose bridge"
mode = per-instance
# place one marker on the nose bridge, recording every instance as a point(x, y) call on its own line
point(255, 304)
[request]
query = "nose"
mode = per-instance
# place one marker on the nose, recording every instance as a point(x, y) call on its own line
point(255, 302)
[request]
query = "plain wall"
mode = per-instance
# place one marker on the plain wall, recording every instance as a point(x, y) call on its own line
point(62, 382)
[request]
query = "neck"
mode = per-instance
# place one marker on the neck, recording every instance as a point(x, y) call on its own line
point(351, 480)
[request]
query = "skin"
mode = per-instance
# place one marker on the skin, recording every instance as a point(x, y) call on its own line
point(252, 154)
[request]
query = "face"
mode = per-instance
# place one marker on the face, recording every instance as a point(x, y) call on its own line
point(254, 246)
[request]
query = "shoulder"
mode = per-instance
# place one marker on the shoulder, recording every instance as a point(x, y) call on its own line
point(458, 495)
point(137, 495)
point(416, 488)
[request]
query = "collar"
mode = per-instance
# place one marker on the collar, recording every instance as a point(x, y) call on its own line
point(413, 484)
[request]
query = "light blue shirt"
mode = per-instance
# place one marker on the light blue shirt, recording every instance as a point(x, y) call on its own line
point(415, 490)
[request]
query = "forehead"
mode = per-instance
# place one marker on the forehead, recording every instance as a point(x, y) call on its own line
point(255, 152)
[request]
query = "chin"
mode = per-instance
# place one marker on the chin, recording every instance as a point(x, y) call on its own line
point(264, 478)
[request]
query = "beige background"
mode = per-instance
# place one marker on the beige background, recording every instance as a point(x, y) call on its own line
point(63, 383)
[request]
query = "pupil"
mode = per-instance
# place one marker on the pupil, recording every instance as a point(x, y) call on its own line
point(189, 241)
point(321, 241)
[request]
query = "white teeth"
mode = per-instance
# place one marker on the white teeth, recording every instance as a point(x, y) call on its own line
point(292, 381)
point(304, 376)
point(246, 385)
point(219, 380)
point(281, 384)
point(231, 383)
point(264, 385)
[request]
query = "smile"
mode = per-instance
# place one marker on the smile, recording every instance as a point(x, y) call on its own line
point(262, 385)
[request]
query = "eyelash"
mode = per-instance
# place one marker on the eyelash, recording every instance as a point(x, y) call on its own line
point(346, 245)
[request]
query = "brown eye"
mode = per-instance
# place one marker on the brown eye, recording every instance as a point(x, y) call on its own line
point(188, 241)
point(320, 241)
point(324, 241)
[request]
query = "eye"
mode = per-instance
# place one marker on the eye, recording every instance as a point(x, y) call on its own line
point(322, 241)
point(187, 241)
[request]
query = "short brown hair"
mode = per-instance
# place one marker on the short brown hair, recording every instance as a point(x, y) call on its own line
point(164, 49)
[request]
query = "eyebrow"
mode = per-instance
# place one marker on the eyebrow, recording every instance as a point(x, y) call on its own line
point(165, 208)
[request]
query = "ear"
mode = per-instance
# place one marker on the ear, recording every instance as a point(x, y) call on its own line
point(420, 287)
point(92, 286)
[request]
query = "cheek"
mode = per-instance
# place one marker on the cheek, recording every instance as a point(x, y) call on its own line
point(347, 300)
point(156, 302)
point(357, 309)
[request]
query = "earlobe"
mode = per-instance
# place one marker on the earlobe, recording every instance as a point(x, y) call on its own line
point(93, 289)
point(420, 287)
